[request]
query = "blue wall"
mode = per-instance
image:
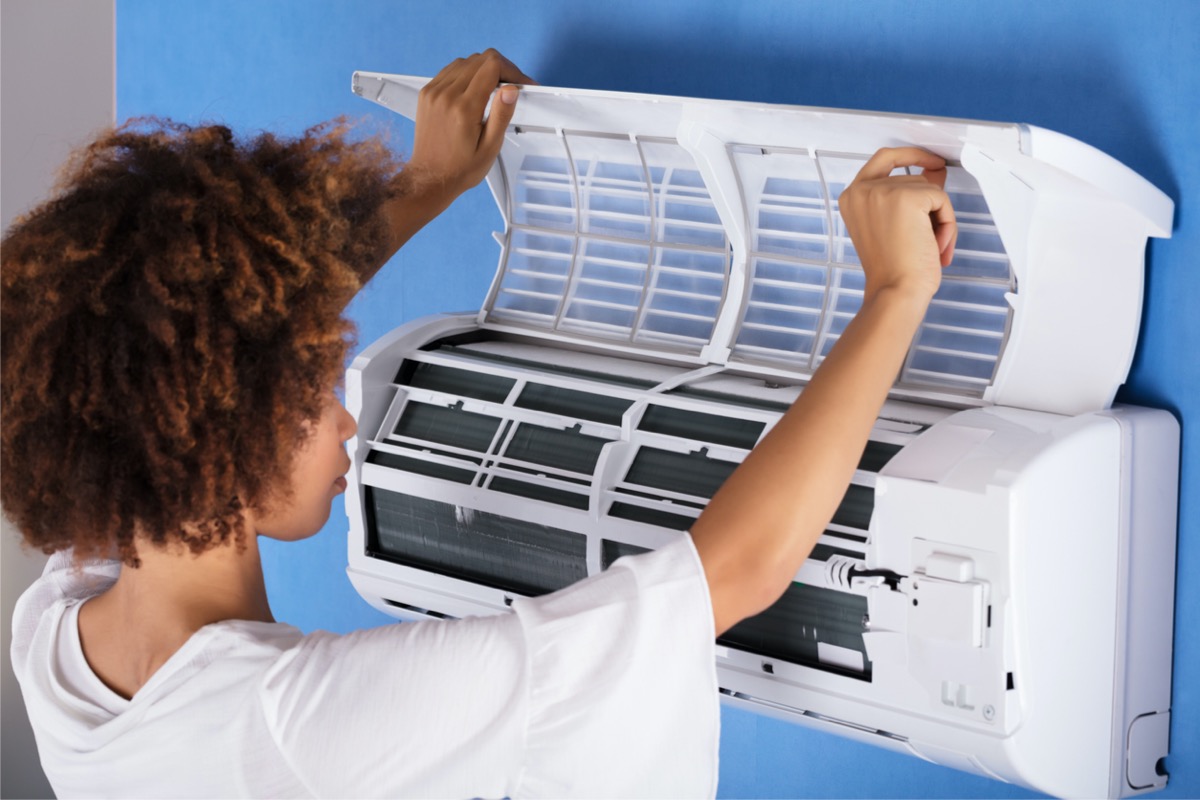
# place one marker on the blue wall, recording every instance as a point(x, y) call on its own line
point(1122, 76)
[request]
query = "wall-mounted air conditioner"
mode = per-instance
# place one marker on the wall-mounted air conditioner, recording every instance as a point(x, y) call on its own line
point(996, 591)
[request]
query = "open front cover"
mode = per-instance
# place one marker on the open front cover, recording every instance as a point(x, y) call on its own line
point(708, 232)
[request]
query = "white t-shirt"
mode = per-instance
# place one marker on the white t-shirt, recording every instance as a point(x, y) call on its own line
point(604, 689)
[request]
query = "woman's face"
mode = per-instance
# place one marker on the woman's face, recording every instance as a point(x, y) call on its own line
point(317, 476)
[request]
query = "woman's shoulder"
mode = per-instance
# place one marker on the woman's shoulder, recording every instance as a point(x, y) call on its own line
point(65, 581)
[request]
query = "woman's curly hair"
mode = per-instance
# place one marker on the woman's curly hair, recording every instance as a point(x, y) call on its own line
point(172, 318)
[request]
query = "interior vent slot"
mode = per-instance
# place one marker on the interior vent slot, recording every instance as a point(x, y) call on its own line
point(856, 507)
point(696, 475)
point(651, 516)
point(567, 450)
point(447, 425)
point(687, 390)
point(847, 535)
point(539, 491)
point(610, 551)
point(817, 627)
point(822, 552)
point(877, 455)
point(702, 427)
point(573, 403)
point(523, 557)
point(419, 466)
point(455, 381)
point(546, 367)
point(425, 612)
point(693, 474)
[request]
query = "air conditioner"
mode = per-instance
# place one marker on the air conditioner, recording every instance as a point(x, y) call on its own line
point(995, 592)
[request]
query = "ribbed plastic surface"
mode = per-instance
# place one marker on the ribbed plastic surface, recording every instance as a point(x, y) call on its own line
point(619, 239)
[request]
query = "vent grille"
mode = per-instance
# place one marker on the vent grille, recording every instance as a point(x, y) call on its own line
point(526, 427)
point(509, 422)
point(645, 259)
point(806, 281)
point(618, 238)
point(509, 433)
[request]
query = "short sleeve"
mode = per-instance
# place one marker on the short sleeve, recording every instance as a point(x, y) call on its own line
point(624, 699)
point(604, 689)
point(424, 709)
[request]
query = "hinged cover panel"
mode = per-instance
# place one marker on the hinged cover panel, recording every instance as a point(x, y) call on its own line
point(708, 232)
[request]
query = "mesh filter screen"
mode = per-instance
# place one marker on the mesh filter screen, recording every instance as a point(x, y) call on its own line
point(451, 380)
point(686, 473)
point(699, 426)
point(796, 626)
point(490, 549)
point(573, 403)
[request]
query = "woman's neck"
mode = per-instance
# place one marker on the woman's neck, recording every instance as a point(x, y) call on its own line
point(131, 630)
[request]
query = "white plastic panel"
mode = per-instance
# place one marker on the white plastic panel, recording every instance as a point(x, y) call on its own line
point(664, 197)
point(643, 258)
point(647, 259)
point(806, 284)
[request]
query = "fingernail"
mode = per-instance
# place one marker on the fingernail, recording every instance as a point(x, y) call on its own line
point(508, 94)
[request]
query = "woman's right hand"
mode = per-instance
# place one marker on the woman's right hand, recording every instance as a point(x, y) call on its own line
point(903, 226)
point(454, 146)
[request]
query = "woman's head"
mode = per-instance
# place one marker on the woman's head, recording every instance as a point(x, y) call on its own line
point(172, 329)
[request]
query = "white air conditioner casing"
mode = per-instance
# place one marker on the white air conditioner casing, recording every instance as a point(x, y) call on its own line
point(996, 592)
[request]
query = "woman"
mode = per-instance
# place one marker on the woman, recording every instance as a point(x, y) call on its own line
point(171, 344)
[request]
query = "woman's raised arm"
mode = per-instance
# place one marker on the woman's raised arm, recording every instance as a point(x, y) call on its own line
point(763, 522)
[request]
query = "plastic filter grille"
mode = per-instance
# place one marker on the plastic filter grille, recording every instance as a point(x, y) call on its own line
point(488, 426)
point(535, 431)
point(806, 281)
point(529, 427)
point(612, 238)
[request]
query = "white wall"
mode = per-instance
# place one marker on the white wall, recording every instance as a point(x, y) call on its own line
point(57, 78)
